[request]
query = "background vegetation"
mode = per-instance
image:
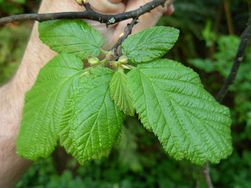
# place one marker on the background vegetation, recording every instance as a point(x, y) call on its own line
point(208, 42)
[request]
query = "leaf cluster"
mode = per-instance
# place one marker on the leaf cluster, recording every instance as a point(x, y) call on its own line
point(81, 97)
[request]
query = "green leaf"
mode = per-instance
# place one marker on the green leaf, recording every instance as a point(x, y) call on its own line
point(120, 92)
point(95, 120)
point(72, 37)
point(44, 105)
point(149, 44)
point(70, 105)
point(188, 121)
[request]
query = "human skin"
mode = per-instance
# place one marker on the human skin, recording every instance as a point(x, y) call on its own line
point(36, 56)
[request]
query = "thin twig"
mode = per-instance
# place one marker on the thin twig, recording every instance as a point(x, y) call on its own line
point(87, 14)
point(238, 59)
point(245, 37)
point(206, 173)
point(127, 32)
point(87, 6)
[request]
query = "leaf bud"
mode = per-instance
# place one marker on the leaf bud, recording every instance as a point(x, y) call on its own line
point(93, 61)
point(123, 60)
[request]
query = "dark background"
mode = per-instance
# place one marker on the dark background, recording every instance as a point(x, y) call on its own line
point(208, 43)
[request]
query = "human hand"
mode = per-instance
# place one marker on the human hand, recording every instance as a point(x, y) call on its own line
point(36, 55)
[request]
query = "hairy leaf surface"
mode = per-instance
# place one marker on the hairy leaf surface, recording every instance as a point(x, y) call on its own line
point(188, 121)
point(149, 44)
point(72, 37)
point(92, 121)
point(120, 92)
point(44, 105)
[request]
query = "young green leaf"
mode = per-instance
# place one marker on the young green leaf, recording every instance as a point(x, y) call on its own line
point(120, 92)
point(188, 121)
point(92, 121)
point(149, 44)
point(72, 37)
point(44, 105)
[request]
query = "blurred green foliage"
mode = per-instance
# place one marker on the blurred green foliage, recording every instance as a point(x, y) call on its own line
point(11, 7)
point(12, 44)
point(138, 160)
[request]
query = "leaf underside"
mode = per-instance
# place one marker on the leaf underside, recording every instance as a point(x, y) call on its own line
point(44, 105)
point(150, 44)
point(120, 93)
point(95, 120)
point(69, 105)
point(172, 103)
point(80, 109)
point(72, 37)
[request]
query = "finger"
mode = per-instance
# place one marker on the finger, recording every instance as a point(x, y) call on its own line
point(108, 6)
point(115, 1)
point(169, 11)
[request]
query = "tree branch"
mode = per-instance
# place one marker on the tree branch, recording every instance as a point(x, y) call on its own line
point(127, 32)
point(238, 59)
point(87, 14)
point(206, 173)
